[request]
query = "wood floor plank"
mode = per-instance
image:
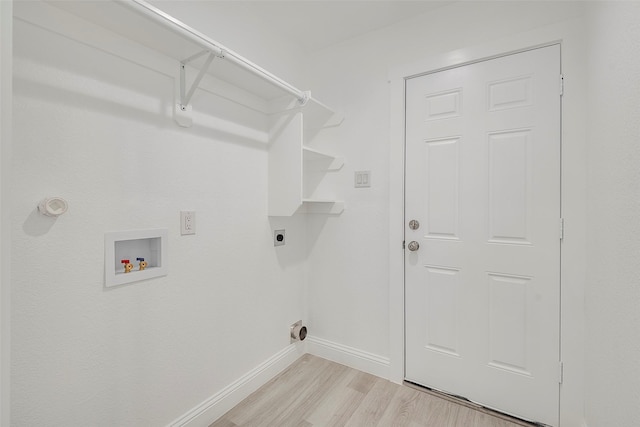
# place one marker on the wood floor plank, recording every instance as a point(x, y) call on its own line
point(346, 409)
point(314, 392)
point(261, 399)
point(324, 412)
point(363, 382)
point(270, 401)
point(402, 408)
point(464, 417)
point(374, 404)
point(313, 396)
point(428, 410)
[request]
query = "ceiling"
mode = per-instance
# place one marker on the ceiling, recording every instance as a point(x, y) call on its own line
point(315, 24)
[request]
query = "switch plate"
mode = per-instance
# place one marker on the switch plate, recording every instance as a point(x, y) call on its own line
point(187, 222)
point(362, 179)
point(278, 238)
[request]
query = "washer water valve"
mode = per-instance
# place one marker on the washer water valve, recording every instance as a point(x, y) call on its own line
point(143, 264)
point(127, 265)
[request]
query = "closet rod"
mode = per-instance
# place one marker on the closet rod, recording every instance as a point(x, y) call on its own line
point(205, 42)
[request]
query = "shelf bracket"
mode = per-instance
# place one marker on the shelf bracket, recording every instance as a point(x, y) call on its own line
point(182, 112)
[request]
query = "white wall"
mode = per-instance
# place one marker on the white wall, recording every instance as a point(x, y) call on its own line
point(613, 292)
point(6, 61)
point(349, 283)
point(348, 276)
point(96, 129)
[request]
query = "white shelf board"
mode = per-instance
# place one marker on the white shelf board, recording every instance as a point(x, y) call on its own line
point(318, 116)
point(322, 206)
point(119, 18)
point(329, 161)
point(313, 154)
point(320, 201)
point(137, 274)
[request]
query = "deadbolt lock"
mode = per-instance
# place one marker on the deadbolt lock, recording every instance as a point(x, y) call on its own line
point(414, 224)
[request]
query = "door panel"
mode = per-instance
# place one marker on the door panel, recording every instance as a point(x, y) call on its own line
point(483, 180)
point(442, 186)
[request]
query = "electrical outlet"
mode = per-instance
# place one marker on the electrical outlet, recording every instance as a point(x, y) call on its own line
point(278, 238)
point(187, 222)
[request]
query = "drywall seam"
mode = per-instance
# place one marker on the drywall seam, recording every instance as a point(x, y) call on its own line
point(221, 402)
point(349, 356)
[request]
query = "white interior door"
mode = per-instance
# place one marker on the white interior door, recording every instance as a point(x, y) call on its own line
point(483, 181)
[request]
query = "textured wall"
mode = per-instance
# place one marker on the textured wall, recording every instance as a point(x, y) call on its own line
point(348, 263)
point(613, 291)
point(236, 28)
point(97, 130)
point(6, 66)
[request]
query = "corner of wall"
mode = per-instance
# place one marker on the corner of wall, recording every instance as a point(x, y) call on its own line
point(118, 92)
point(224, 400)
point(6, 53)
point(349, 356)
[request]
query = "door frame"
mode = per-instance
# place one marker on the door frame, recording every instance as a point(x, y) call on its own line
point(539, 62)
point(569, 36)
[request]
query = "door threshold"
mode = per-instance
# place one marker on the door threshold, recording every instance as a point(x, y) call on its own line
point(459, 400)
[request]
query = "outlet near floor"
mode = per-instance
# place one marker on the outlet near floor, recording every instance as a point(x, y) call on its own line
point(278, 238)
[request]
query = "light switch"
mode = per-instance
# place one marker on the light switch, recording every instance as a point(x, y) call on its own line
point(362, 179)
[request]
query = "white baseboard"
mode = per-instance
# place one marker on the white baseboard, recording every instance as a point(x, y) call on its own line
point(349, 356)
point(220, 403)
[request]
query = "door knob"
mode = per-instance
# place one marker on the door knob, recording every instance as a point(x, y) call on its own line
point(413, 246)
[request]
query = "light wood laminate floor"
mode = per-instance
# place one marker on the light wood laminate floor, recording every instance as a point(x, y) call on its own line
point(317, 392)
